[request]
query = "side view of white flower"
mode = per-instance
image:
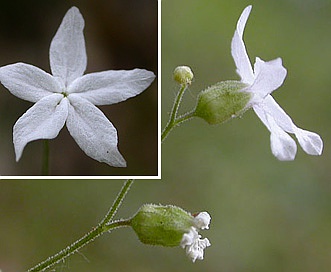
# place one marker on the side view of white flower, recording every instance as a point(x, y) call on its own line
point(69, 97)
point(191, 240)
point(262, 81)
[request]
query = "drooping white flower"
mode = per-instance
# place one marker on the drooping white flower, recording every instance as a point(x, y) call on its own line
point(171, 226)
point(262, 81)
point(191, 241)
point(69, 97)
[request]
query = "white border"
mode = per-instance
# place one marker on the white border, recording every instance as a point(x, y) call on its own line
point(159, 134)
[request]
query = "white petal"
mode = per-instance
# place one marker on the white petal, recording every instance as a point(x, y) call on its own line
point(282, 145)
point(195, 251)
point(310, 142)
point(109, 87)
point(202, 220)
point(194, 245)
point(93, 132)
point(43, 120)
point(189, 237)
point(271, 107)
point(268, 76)
point(67, 51)
point(238, 49)
point(28, 82)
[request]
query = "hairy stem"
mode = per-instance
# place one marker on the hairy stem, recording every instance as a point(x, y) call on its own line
point(104, 226)
point(174, 120)
point(173, 113)
point(107, 224)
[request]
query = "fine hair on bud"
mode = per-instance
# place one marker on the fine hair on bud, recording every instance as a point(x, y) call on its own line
point(183, 75)
point(222, 101)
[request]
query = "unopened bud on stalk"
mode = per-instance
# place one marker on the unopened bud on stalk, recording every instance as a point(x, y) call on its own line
point(183, 75)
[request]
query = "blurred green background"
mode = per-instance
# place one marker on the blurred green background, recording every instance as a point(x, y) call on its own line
point(266, 215)
point(119, 35)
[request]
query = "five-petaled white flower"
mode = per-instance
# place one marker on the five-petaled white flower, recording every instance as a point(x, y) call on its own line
point(69, 97)
point(191, 240)
point(267, 77)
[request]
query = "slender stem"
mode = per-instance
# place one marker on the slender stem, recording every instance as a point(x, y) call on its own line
point(117, 202)
point(45, 159)
point(68, 250)
point(118, 224)
point(106, 224)
point(184, 117)
point(177, 122)
point(101, 228)
point(172, 121)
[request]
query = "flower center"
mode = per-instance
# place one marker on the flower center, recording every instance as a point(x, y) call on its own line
point(64, 94)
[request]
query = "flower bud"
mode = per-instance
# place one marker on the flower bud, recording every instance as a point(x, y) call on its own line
point(183, 75)
point(222, 101)
point(161, 225)
point(172, 226)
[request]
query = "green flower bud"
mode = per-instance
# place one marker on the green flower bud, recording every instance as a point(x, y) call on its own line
point(222, 101)
point(161, 225)
point(172, 226)
point(183, 75)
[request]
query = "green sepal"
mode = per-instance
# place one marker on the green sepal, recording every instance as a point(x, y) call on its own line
point(161, 225)
point(222, 101)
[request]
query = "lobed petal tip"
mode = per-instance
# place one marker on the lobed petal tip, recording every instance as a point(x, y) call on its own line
point(283, 147)
point(243, 19)
point(202, 220)
point(73, 9)
point(248, 8)
point(75, 12)
point(18, 157)
point(114, 158)
point(121, 164)
point(310, 142)
point(246, 11)
point(238, 49)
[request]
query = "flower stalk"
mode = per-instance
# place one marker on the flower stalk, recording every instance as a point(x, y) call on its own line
point(174, 120)
point(104, 226)
point(107, 225)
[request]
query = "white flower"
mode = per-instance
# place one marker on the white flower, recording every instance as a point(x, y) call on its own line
point(191, 240)
point(69, 97)
point(202, 220)
point(267, 77)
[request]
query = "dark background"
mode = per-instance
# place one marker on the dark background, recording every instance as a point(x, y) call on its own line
point(118, 35)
